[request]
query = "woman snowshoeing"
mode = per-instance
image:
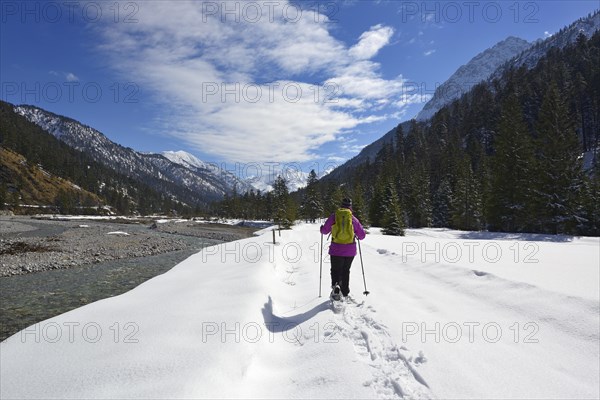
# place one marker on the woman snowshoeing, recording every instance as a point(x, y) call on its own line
point(345, 228)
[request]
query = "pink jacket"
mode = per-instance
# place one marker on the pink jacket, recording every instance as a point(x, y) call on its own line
point(343, 250)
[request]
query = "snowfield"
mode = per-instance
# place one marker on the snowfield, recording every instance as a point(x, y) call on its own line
point(450, 315)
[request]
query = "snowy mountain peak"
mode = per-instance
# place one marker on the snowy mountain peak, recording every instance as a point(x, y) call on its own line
point(179, 174)
point(529, 57)
point(193, 163)
point(295, 178)
point(475, 71)
point(184, 158)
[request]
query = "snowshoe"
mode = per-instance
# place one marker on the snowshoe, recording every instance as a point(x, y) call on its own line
point(336, 293)
point(337, 300)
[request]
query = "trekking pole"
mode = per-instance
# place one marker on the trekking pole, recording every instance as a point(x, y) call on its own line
point(321, 265)
point(366, 292)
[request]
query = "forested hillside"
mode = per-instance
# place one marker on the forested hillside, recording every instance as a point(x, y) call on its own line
point(507, 156)
point(517, 154)
point(41, 149)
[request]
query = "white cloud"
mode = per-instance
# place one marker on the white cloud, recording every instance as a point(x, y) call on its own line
point(361, 79)
point(352, 148)
point(236, 90)
point(336, 159)
point(371, 42)
point(429, 52)
point(71, 77)
point(284, 130)
point(412, 98)
point(547, 34)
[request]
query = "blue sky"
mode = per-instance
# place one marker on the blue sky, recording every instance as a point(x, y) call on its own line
point(308, 83)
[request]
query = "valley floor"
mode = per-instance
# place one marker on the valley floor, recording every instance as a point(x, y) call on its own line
point(40, 244)
point(450, 315)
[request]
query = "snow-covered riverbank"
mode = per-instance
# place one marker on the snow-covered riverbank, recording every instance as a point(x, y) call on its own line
point(450, 315)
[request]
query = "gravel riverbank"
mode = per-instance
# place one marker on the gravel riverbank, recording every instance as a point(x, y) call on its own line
point(30, 245)
point(48, 267)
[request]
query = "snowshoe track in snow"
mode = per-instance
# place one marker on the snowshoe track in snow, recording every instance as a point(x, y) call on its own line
point(394, 376)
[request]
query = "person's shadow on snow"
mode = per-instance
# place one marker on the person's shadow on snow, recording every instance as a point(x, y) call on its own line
point(282, 324)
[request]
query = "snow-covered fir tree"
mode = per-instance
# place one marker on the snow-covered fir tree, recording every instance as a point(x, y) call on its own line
point(512, 172)
point(311, 207)
point(376, 203)
point(393, 222)
point(466, 202)
point(418, 204)
point(284, 213)
point(334, 199)
point(442, 204)
point(559, 167)
point(358, 205)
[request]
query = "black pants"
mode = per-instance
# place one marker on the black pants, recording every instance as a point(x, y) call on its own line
point(340, 273)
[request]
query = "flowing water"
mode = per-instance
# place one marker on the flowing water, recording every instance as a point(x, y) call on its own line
point(28, 299)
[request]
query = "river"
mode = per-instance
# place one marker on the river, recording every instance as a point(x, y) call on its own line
point(31, 298)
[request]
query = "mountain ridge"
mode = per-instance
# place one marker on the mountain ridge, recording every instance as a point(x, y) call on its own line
point(476, 70)
point(54, 157)
point(191, 184)
point(529, 57)
point(567, 35)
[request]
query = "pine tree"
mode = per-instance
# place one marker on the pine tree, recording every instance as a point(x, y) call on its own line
point(582, 106)
point(559, 167)
point(358, 205)
point(510, 192)
point(291, 212)
point(64, 201)
point(334, 199)
point(281, 203)
point(268, 207)
point(252, 205)
point(311, 207)
point(236, 207)
point(399, 147)
point(442, 204)
point(420, 215)
point(393, 222)
point(225, 207)
point(413, 180)
point(376, 203)
point(466, 202)
point(415, 143)
point(385, 162)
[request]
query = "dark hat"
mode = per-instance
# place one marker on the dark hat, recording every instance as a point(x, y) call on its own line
point(347, 203)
